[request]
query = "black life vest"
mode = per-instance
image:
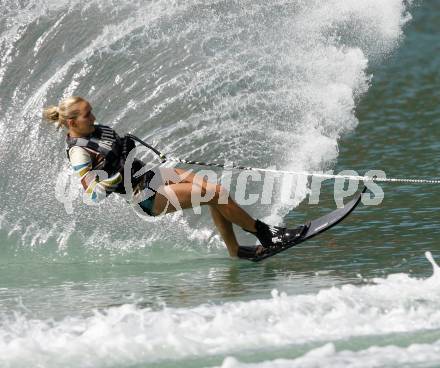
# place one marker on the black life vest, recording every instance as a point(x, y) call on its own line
point(114, 149)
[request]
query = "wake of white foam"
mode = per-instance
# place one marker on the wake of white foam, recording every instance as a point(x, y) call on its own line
point(415, 355)
point(396, 304)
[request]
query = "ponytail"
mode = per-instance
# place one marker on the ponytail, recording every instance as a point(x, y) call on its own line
point(52, 115)
point(65, 110)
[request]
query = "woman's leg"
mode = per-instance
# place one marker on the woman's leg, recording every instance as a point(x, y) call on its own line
point(222, 223)
point(180, 196)
point(226, 231)
point(181, 191)
point(231, 212)
point(173, 197)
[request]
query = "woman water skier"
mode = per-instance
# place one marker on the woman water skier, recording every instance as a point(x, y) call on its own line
point(93, 147)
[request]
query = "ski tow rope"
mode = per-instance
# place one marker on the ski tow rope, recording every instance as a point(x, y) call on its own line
point(305, 173)
point(164, 158)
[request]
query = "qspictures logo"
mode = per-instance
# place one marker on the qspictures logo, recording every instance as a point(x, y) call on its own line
point(275, 186)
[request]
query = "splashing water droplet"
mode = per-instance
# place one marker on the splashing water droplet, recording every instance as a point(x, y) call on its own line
point(435, 267)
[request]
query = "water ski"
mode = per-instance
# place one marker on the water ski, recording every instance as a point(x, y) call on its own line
point(308, 230)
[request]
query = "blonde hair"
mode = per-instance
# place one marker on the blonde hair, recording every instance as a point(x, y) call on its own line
point(65, 110)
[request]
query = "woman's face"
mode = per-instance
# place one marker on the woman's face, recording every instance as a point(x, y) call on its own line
point(83, 124)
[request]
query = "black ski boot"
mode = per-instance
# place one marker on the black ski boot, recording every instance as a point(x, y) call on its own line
point(272, 239)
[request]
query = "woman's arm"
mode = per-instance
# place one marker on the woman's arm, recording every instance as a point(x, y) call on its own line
point(96, 189)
